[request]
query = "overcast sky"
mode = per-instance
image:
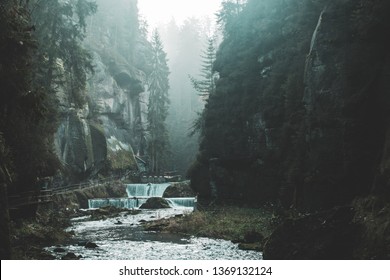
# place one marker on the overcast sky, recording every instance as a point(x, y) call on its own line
point(161, 11)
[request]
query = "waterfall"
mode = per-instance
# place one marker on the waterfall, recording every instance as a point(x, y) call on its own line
point(139, 194)
point(146, 190)
point(182, 202)
point(314, 37)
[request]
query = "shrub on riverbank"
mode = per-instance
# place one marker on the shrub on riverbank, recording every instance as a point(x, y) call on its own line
point(230, 223)
point(28, 237)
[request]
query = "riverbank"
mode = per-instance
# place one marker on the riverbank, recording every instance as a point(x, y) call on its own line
point(30, 236)
point(48, 227)
point(357, 231)
point(250, 227)
point(247, 226)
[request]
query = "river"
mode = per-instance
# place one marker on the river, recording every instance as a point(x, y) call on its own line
point(124, 238)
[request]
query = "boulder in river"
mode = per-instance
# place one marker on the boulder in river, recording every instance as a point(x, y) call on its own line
point(179, 189)
point(91, 245)
point(59, 250)
point(155, 203)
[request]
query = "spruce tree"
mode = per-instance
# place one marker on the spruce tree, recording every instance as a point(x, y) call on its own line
point(228, 16)
point(207, 85)
point(61, 59)
point(158, 86)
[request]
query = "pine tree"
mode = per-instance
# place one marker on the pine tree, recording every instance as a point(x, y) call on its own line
point(206, 86)
point(228, 15)
point(158, 84)
point(60, 30)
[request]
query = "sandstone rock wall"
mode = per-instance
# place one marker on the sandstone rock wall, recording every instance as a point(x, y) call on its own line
point(101, 136)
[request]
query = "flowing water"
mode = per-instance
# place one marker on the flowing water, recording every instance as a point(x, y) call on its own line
point(123, 237)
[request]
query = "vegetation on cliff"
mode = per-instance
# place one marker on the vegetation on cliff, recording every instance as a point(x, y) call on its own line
point(27, 111)
point(298, 114)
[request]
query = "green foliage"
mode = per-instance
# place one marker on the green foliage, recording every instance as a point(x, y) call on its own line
point(230, 223)
point(61, 60)
point(206, 86)
point(158, 86)
point(228, 16)
point(27, 113)
point(40, 52)
point(254, 113)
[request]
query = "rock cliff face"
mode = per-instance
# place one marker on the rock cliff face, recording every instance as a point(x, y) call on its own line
point(345, 97)
point(300, 111)
point(300, 116)
point(101, 136)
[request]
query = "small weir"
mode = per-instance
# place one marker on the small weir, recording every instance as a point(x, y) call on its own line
point(146, 190)
point(139, 194)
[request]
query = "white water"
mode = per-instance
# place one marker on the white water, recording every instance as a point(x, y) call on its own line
point(128, 241)
point(128, 203)
point(123, 237)
point(138, 194)
point(144, 190)
point(182, 202)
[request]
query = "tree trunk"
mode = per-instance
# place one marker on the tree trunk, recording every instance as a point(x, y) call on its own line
point(5, 247)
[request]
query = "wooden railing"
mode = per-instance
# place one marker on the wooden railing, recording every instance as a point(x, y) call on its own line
point(80, 186)
point(19, 200)
point(29, 198)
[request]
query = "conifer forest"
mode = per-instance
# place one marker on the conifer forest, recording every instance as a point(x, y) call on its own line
point(259, 132)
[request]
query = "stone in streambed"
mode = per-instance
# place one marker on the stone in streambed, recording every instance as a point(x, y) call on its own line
point(59, 250)
point(91, 245)
point(155, 203)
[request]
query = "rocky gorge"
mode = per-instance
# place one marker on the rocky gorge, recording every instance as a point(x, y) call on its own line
point(297, 124)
